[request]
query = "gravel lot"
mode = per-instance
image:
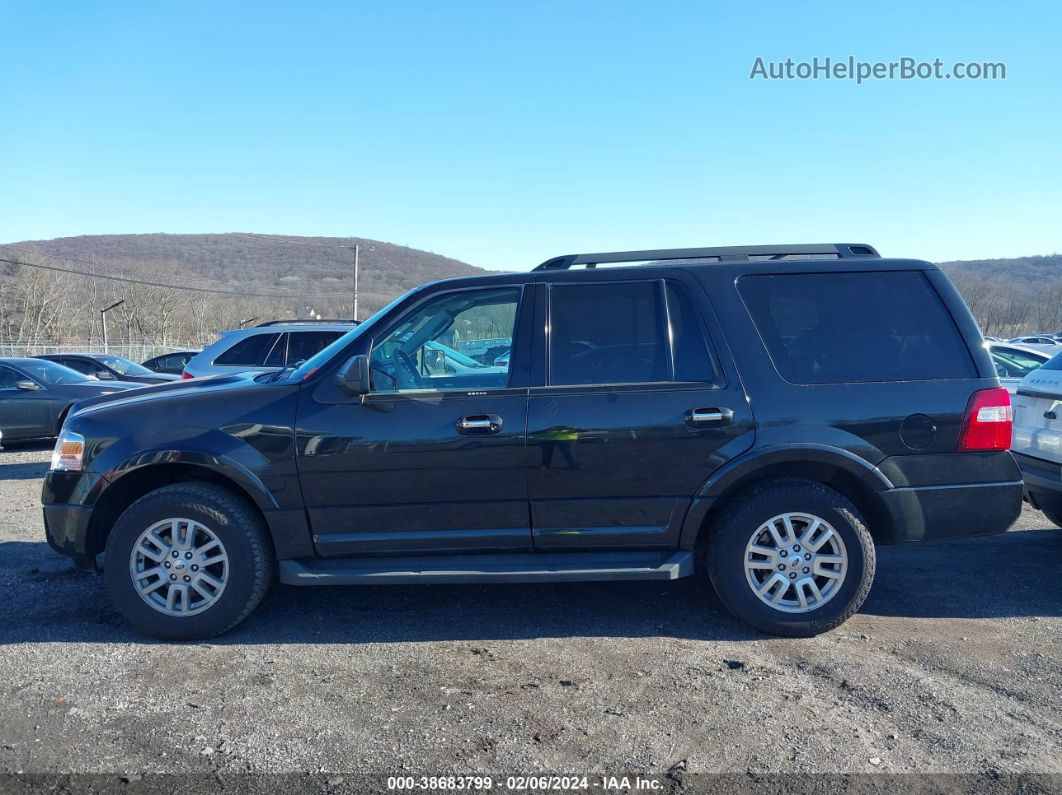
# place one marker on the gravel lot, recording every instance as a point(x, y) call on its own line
point(954, 665)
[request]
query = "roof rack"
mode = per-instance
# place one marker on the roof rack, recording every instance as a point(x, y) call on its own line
point(719, 254)
point(304, 322)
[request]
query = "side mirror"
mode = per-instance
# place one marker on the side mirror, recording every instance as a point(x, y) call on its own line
point(26, 386)
point(103, 375)
point(353, 377)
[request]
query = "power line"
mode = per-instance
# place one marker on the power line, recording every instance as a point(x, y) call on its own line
point(94, 264)
point(130, 280)
point(119, 268)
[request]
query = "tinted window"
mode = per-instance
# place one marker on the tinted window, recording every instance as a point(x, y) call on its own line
point(304, 344)
point(275, 357)
point(823, 328)
point(82, 366)
point(249, 351)
point(689, 350)
point(607, 333)
point(8, 378)
point(446, 343)
point(47, 372)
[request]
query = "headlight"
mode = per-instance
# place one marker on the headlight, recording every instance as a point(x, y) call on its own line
point(69, 449)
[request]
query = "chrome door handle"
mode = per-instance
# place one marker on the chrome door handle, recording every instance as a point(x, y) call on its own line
point(709, 416)
point(480, 423)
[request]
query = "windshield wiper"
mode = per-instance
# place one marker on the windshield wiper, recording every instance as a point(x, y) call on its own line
point(285, 371)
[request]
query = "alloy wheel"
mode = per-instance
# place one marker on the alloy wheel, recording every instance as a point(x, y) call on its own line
point(795, 562)
point(179, 567)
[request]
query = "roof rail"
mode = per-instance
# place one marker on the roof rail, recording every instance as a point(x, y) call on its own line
point(304, 322)
point(719, 254)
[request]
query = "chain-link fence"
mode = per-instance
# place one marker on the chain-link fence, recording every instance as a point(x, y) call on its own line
point(138, 352)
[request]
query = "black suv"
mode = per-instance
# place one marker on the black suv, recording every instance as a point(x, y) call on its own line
point(767, 413)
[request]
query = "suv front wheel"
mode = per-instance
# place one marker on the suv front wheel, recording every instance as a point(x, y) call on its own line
point(188, 561)
point(791, 557)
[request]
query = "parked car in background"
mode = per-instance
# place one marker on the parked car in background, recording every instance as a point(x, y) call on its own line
point(267, 346)
point(1037, 441)
point(108, 367)
point(35, 396)
point(1014, 361)
point(619, 442)
point(1038, 339)
point(172, 363)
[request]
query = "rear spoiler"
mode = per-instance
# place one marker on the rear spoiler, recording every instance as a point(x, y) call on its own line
point(1036, 394)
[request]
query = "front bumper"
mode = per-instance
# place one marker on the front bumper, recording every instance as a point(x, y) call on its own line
point(66, 528)
point(68, 499)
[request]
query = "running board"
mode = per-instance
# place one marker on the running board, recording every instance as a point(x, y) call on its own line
point(526, 567)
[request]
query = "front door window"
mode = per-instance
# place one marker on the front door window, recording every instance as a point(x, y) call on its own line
point(460, 340)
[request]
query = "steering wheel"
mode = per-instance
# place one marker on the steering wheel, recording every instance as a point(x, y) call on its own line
point(406, 372)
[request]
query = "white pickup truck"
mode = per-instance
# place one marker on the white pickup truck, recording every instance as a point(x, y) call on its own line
point(1037, 440)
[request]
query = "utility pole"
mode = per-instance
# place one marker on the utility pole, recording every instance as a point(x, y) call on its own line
point(103, 320)
point(357, 262)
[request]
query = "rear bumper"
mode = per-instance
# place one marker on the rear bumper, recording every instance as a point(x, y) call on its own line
point(924, 513)
point(1043, 481)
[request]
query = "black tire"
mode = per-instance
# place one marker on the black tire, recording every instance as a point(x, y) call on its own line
point(233, 521)
point(730, 535)
point(1053, 515)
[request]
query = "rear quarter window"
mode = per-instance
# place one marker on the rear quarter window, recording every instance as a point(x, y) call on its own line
point(831, 328)
point(247, 352)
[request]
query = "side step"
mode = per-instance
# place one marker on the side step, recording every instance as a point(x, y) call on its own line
point(524, 567)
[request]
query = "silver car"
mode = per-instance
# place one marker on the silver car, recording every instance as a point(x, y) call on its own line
point(1037, 440)
point(267, 346)
point(1014, 361)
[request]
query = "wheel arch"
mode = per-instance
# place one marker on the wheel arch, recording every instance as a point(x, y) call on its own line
point(61, 419)
point(135, 483)
point(851, 476)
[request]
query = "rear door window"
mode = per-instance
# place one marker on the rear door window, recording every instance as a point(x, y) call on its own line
point(607, 333)
point(248, 352)
point(829, 328)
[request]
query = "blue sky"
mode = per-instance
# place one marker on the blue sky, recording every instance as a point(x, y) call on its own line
point(505, 133)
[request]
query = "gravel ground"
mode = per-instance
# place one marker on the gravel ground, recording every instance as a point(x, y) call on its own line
point(954, 665)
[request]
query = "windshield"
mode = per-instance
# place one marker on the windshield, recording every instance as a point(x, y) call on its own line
point(123, 365)
point(50, 373)
point(315, 362)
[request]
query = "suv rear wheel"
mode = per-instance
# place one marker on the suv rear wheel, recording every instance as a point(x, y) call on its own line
point(791, 557)
point(188, 561)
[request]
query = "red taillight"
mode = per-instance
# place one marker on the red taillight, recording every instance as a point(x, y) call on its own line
point(186, 375)
point(988, 421)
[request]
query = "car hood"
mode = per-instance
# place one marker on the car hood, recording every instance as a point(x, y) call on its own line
point(161, 377)
point(98, 387)
point(171, 390)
